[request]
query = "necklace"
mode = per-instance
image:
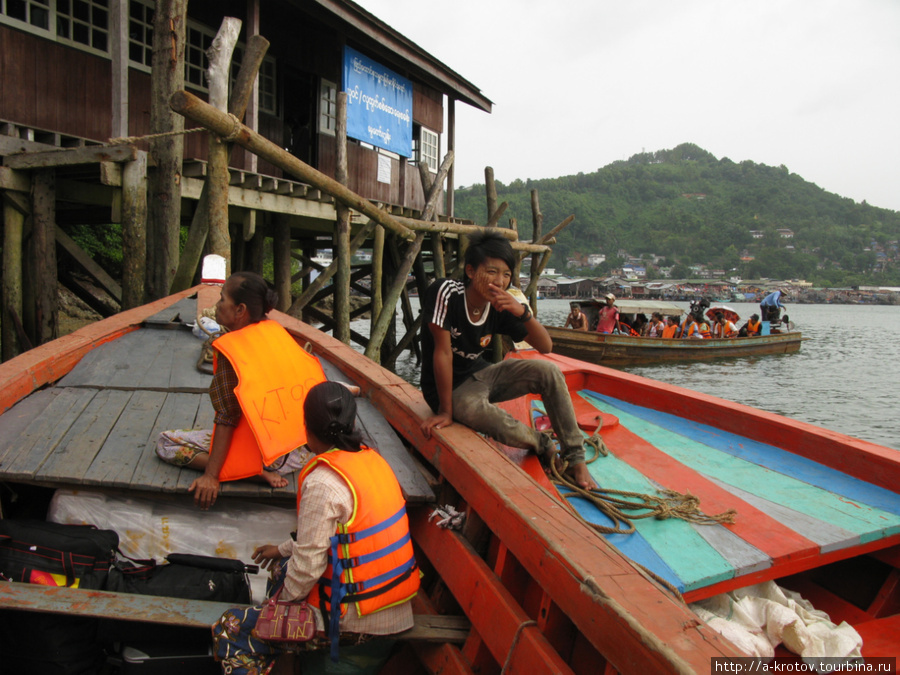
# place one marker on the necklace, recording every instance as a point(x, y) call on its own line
point(478, 311)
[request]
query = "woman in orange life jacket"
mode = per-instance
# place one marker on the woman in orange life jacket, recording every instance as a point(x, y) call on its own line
point(347, 489)
point(229, 451)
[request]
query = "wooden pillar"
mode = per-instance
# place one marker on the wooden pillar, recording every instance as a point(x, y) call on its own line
point(219, 153)
point(134, 231)
point(451, 147)
point(257, 46)
point(13, 231)
point(341, 306)
point(377, 270)
point(537, 219)
point(281, 255)
point(164, 194)
point(386, 316)
point(252, 117)
point(118, 51)
point(490, 190)
point(43, 249)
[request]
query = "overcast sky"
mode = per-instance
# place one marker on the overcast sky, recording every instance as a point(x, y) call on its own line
point(577, 84)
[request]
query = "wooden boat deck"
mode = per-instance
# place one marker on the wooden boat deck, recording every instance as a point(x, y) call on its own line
point(793, 512)
point(97, 427)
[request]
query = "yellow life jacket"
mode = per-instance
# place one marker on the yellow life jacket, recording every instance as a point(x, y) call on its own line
point(274, 375)
point(371, 563)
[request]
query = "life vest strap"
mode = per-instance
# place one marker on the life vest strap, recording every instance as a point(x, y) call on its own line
point(350, 563)
point(351, 537)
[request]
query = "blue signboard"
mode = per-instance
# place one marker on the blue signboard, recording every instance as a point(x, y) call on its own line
point(379, 104)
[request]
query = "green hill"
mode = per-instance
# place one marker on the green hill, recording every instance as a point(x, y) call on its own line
point(691, 208)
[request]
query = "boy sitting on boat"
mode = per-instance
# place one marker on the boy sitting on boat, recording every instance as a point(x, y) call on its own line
point(459, 384)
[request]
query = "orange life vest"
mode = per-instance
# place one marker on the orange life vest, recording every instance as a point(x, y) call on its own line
point(703, 328)
point(274, 375)
point(669, 331)
point(371, 563)
point(753, 328)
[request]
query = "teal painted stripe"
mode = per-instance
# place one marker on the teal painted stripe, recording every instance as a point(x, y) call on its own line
point(868, 522)
point(694, 562)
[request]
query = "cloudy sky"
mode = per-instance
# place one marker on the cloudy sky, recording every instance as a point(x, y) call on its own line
point(576, 84)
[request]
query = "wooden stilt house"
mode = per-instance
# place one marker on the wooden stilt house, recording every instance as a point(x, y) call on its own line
point(76, 73)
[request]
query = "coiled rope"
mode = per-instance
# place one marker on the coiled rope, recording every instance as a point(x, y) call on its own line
point(615, 503)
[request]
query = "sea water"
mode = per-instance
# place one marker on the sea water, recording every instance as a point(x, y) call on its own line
point(844, 378)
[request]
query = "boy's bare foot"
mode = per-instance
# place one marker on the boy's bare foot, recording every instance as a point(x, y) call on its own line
point(582, 477)
point(274, 479)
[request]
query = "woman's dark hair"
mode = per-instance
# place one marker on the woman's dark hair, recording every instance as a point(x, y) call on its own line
point(250, 289)
point(487, 244)
point(330, 414)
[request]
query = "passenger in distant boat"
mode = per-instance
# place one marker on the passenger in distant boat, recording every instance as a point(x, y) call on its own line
point(460, 385)
point(703, 328)
point(752, 327)
point(691, 329)
point(577, 320)
point(671, 329)
point(640, 324)
point(265, 357)
point(656, 327)
point(771, 306)
point(609, 316)
point(625, 329)
point(349, 492)
point(723, 328)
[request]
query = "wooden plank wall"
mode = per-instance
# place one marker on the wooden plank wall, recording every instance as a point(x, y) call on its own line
point(46, 85)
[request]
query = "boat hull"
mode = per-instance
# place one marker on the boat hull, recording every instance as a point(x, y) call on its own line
point(623, 350)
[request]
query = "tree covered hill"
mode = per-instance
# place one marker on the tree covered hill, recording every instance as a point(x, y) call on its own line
point(691, 208)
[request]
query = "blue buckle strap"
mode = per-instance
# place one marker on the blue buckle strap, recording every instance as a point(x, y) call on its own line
point(356, 561)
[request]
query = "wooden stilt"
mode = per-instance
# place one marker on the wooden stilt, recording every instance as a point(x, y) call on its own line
point(386, 316)
point(298, 306)
point(13, 231)
point(164, 196)
point(537, 220)
point(281, 255)
point(257, 46)
point(43, 249)
point(217, 176)
point(490, 192)
point(376, 282)
point(134, 231)
point(341, 306)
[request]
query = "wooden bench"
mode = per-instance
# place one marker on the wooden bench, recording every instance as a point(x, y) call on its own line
point(179, 612)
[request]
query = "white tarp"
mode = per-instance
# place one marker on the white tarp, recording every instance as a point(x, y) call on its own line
point(758, 618)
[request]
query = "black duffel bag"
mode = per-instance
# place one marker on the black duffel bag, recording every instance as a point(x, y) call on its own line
point(192, 577)
point(33, 550)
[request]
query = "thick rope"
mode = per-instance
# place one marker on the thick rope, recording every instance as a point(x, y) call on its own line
point(125, 140)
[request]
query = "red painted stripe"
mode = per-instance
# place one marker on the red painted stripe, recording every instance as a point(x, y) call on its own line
point(776, 540)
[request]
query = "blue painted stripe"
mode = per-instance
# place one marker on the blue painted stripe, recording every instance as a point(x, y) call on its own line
point(633, 546)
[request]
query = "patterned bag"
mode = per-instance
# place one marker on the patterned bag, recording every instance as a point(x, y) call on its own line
point(285, 622)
